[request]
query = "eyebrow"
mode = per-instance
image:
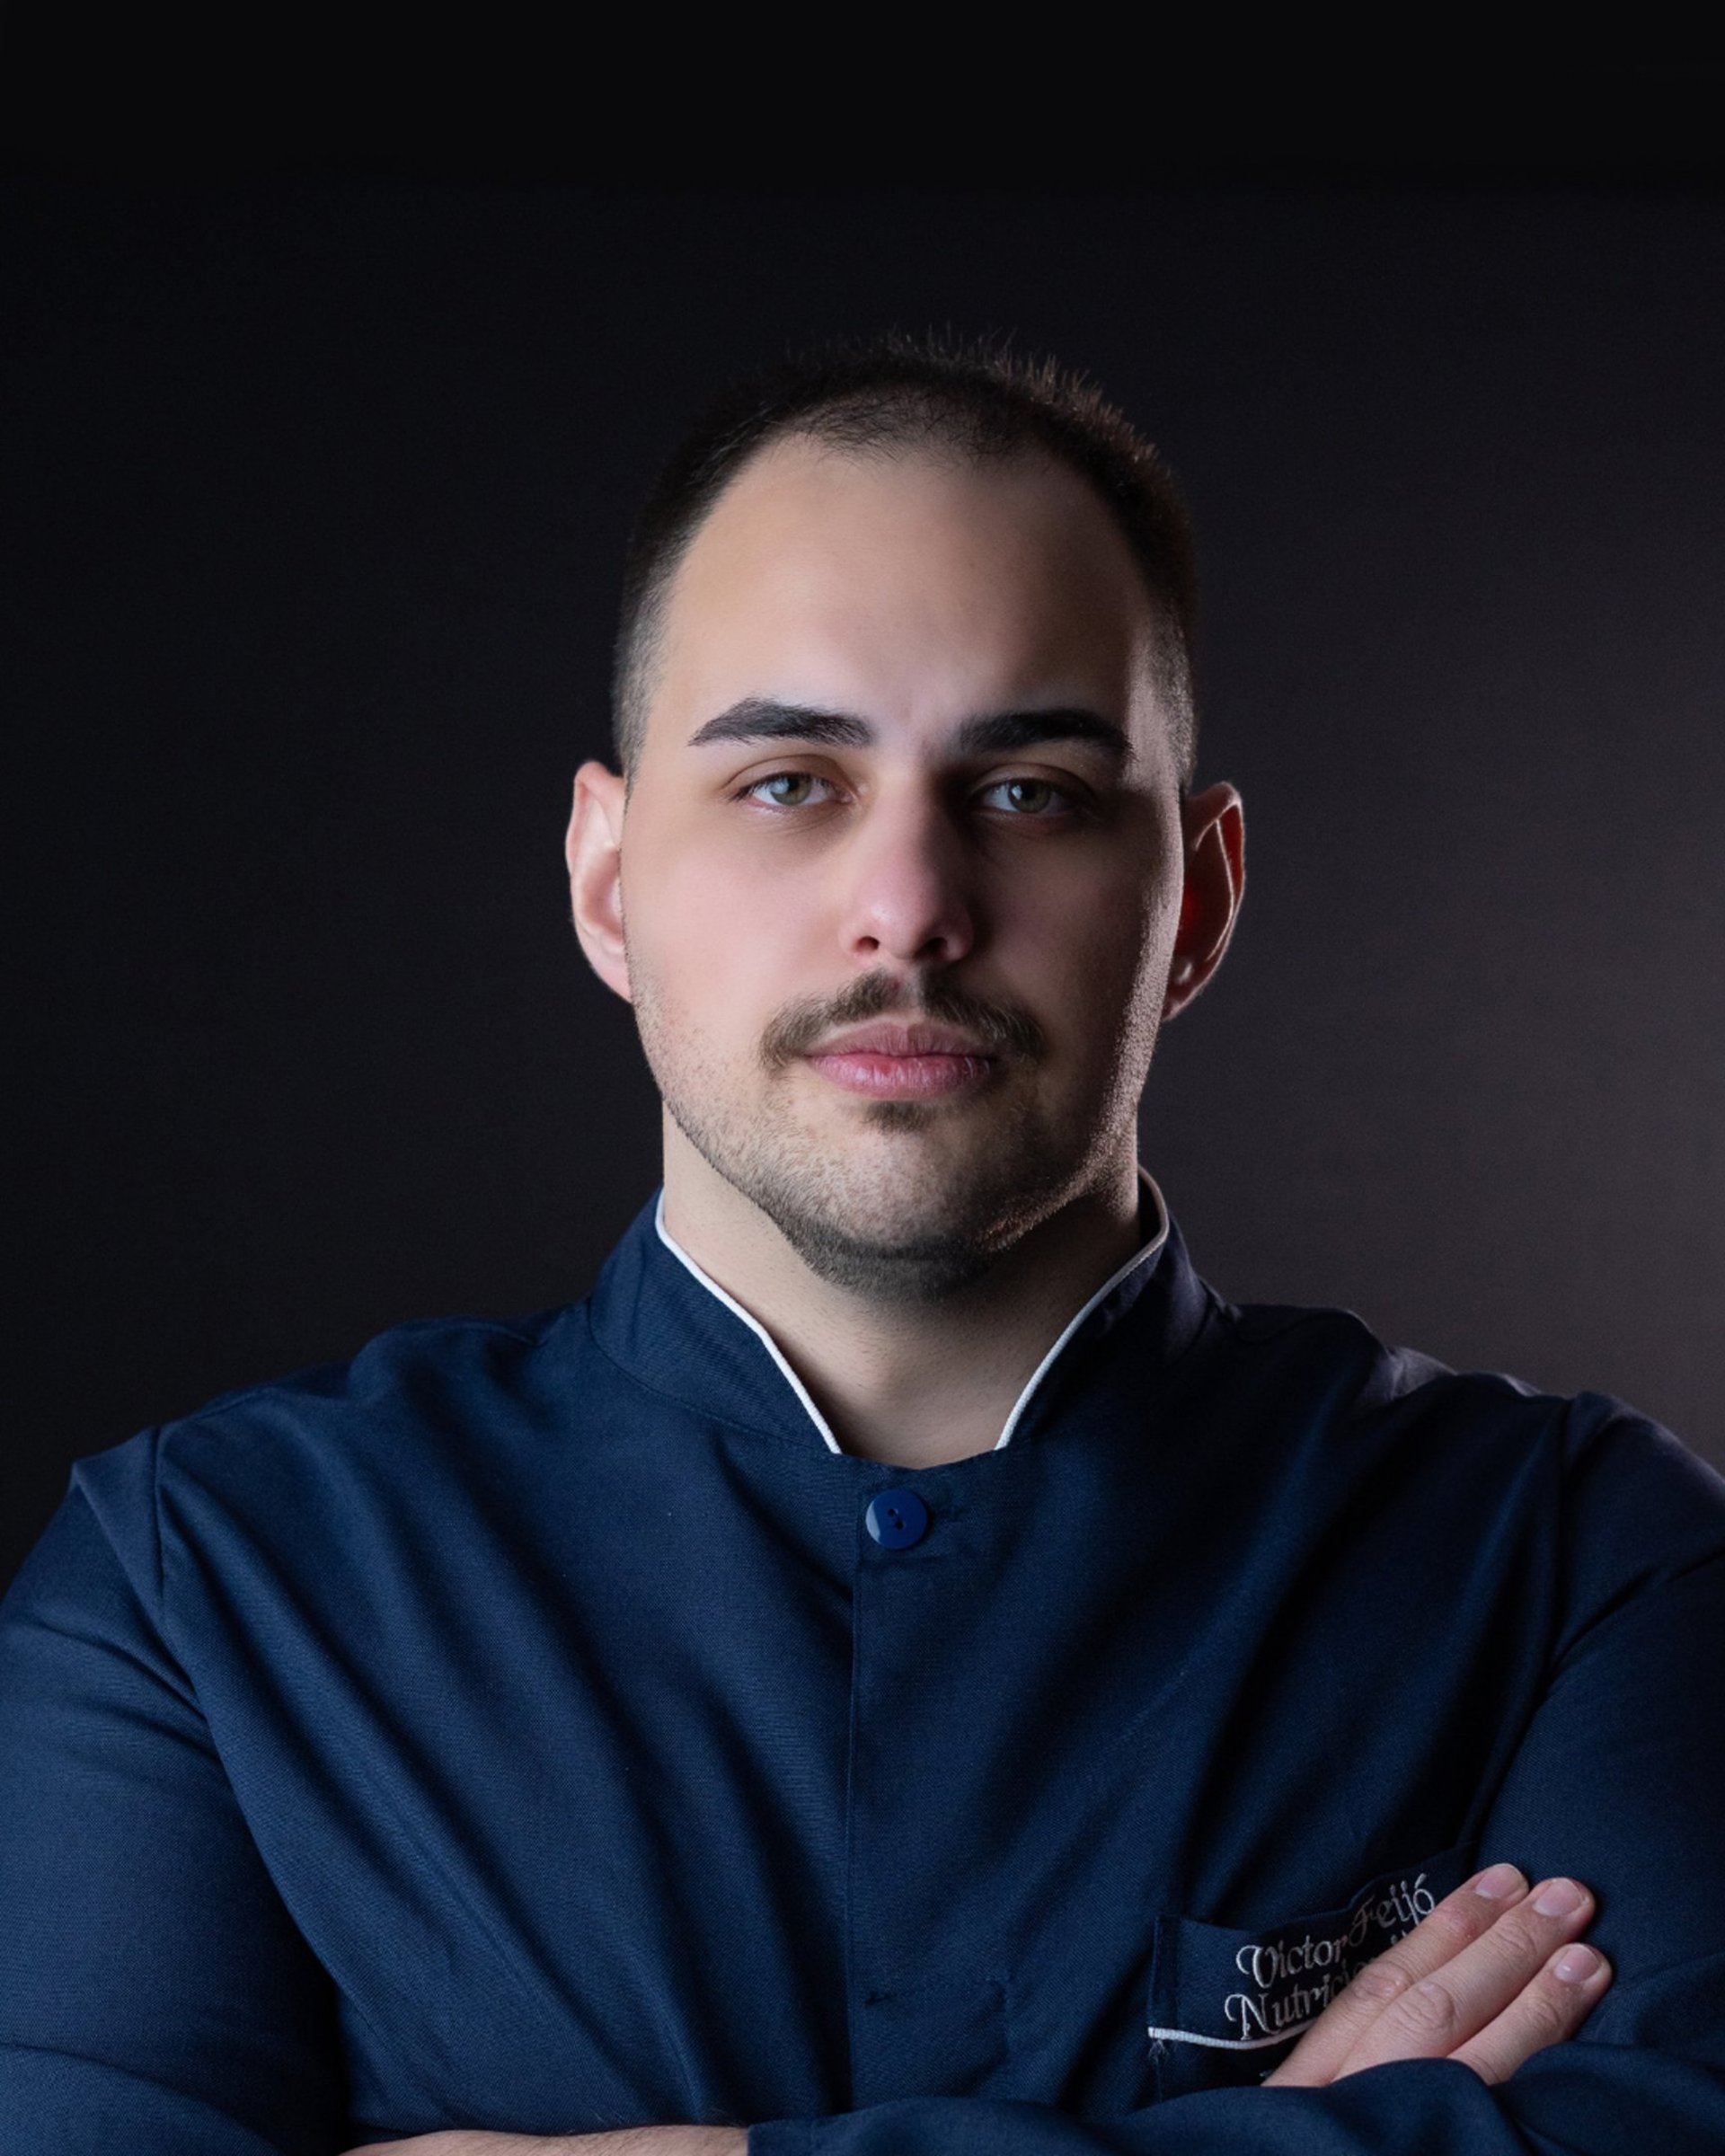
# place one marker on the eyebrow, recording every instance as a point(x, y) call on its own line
point(994, 733)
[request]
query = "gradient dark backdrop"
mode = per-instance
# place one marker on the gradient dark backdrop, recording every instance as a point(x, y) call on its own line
point(315, 494)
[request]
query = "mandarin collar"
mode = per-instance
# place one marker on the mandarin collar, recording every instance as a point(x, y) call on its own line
point(672, 1327)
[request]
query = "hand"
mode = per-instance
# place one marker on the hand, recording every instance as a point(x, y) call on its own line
point(1477, 1981)
point(623, 2140)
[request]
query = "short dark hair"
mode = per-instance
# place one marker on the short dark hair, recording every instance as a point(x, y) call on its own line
point(979, 400)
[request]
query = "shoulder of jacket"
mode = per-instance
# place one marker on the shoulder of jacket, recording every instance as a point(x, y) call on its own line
point(1375, 1373)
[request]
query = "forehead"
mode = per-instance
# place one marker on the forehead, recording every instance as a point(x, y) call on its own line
point(916, 586)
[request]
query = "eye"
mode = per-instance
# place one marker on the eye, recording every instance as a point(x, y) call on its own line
point(1027, 797)
point(784, 789)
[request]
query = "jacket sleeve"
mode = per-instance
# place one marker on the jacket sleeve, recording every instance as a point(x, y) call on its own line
point(156, 1997)
point(1618, 1782)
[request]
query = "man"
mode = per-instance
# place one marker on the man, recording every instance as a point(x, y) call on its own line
point(903, 1667)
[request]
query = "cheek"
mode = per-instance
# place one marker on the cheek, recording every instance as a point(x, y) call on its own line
point(1120, 988)
point(1088, 954)
point(717, 951)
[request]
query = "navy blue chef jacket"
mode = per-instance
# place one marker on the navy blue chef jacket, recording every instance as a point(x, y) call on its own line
point(523, 1727)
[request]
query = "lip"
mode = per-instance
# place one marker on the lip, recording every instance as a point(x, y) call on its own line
point(899, 1062)
point(881, 1038)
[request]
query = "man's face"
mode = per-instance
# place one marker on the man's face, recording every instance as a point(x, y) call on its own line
point(901, 863)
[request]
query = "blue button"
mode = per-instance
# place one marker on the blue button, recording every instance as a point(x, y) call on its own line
point(896, 1518)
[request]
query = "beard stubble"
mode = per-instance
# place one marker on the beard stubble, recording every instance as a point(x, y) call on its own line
point(841, 1215)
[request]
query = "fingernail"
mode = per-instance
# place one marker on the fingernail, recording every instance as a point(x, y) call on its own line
point(1562, 1898)
point(1578, 1965)
point(1500, 1880)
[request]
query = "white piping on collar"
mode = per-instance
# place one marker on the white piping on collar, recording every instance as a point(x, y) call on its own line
point(753, 1323)
point(1143, 1255)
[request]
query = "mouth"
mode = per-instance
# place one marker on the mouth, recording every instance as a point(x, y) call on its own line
point(903, 1063)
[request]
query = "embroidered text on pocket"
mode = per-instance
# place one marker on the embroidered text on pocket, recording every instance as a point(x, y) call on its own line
point(1217, 1991)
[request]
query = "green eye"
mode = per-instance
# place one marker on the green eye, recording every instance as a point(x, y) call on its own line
point(785, 789)
point(1027, 797)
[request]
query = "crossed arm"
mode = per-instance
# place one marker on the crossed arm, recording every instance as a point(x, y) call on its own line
point(155, 1996)
point(1488, 1979)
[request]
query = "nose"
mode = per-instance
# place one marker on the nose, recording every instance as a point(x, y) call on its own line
point(907, 894)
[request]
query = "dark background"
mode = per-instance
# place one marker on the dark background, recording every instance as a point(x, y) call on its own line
point(315, 487)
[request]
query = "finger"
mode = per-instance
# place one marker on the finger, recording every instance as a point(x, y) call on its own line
point(1548, 2010)
point(1457, 1921)
point(1443, 2010)
point(457, 2142)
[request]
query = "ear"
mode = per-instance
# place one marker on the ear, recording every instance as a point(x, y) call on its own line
point(594, 851)
point(1214, 831)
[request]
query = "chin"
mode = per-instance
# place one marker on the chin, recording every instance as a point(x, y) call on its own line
point(881, 1268)
point(907, 1226)
point(898, 1201)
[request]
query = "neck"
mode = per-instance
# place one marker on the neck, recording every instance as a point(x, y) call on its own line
point(911, 1385)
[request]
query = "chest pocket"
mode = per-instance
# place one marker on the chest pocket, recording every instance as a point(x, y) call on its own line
point(1226, 2006)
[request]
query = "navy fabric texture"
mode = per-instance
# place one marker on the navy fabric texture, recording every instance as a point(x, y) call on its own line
point(520, 1727)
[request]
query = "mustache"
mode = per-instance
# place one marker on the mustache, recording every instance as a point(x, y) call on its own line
point(1002, 1029)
